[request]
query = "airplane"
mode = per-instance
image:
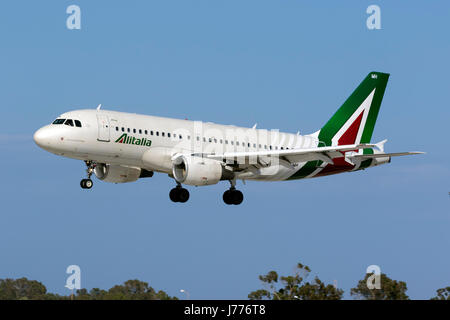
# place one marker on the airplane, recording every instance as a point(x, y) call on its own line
point(120, 147)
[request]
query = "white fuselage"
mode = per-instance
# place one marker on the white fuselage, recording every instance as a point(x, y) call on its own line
point(150, 142)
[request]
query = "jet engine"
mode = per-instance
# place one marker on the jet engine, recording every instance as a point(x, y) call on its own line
point(197, 171)
point(118, 173)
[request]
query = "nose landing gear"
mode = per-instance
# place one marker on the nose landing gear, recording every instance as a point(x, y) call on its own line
point(87, 183)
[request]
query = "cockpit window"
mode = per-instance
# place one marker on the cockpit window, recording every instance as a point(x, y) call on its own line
point(69, 122)
point(59, 121)
point(78, 123)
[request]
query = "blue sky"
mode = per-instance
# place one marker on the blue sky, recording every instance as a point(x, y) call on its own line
point(284, 65)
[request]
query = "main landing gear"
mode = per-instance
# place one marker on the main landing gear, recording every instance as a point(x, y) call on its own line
point(179, 194)
point(87, 183)
point(233, 196)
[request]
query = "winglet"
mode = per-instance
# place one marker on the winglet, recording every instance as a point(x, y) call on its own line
point(99, 106)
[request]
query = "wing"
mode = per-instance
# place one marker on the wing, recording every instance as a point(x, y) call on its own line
point(325, 154)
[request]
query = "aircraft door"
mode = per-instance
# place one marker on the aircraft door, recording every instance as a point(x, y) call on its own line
point(103, 127)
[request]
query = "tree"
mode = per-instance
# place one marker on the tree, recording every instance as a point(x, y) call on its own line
point(442, 294)
point(390, 289)
point(129, 290)
point(295, 287)
point(21, 289)
point(15, 289)
point(132, 290)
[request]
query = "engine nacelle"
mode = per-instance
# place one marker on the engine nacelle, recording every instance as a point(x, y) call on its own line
point(196, 171)
point(116, 173)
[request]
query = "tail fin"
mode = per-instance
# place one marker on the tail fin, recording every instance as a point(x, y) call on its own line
point(354, 121)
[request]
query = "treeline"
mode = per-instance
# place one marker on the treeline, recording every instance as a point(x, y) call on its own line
point(296, 287)
point(275, 287)
point(24, 289)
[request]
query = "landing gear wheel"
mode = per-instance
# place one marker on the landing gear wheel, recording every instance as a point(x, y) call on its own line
point(179, 194)
point(183, 195)
point(86, 183)
point(173, 195)
point(227, 197)
point(233, 196)
point(237, 197)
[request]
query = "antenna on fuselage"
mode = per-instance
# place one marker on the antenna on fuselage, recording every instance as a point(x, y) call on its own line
point(99, 106)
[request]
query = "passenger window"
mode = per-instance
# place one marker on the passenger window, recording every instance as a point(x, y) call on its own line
point(117, 128)
point(128, 129)
point(78, 123)
point(123, 129)
point(237, 143)
point(151, 132)
point(162, 133)
point(198, 138)
point(134, 130)
point(140, 131)
point(59, 121)
point(168, 134)
point(69, 122)
point(146, 132)
point(181, 137)
point(157, 133)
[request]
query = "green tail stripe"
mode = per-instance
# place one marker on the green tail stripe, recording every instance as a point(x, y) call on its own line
point(374, 80)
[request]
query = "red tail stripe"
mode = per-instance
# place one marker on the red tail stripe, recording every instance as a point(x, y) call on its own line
point(349, 136)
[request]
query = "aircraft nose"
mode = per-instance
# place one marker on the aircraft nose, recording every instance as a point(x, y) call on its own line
point(42, 137)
